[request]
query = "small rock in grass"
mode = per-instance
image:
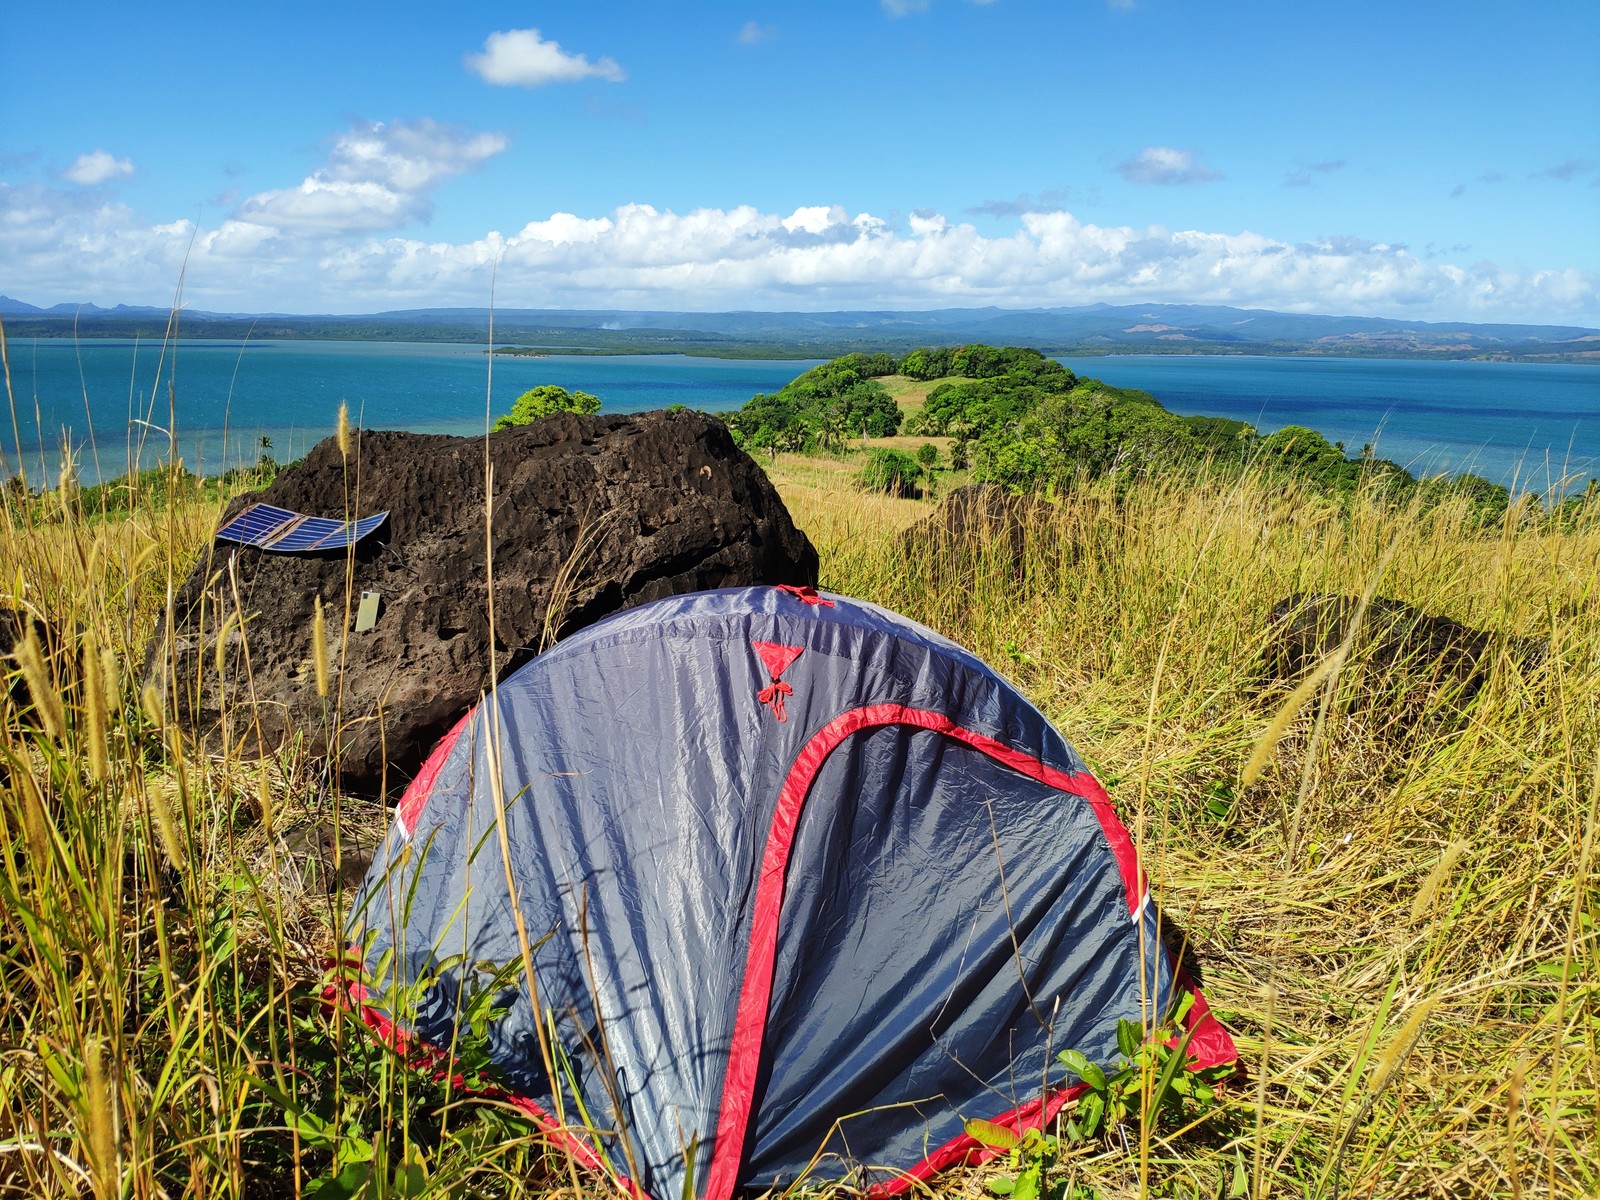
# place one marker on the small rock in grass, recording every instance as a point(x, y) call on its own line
point(1414, 653)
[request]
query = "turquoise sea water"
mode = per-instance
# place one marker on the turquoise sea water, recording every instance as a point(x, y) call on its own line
point(1525, 424)
point(290, 392)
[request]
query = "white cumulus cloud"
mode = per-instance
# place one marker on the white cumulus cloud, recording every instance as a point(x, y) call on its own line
point(333, 206)
point(97, 167)
point(753, 33)
point(377, 177)
point(71, 244)
point(409, 155)
point(521, 58)
point(1163, 164)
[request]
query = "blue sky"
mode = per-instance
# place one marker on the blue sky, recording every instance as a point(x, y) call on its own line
point(1435, 161)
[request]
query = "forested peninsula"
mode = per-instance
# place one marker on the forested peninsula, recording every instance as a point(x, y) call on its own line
point(1014, 417)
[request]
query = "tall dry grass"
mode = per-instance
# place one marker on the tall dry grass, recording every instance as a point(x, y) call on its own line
point(1400, 921)
point(1397, 920)
point(163, 1031)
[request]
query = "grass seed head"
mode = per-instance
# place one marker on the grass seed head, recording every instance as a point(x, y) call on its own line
point(319, 648)
point(110, 680)
point(35, 824)
point(1395, 1054)
point(46, 696)
point(155, 709)
point(99, 1102)
point(162, 793)
point(1273, 733)
point(1436, 877)
point(95, 712)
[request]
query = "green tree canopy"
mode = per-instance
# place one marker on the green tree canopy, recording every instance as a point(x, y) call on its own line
point(545, 400)
point(827, 404)
point(868, 407)
point(1024, 421)
point(986, 362)
point(1093, 428)
point(932, 363)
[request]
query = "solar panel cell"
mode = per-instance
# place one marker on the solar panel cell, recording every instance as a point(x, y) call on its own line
point(285, 532)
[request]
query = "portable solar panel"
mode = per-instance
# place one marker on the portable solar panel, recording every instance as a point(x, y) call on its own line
point(281, 531)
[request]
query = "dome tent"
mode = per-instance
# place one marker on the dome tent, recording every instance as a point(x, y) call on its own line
point(801, 884)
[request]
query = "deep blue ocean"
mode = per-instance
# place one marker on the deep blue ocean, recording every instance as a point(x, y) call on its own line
point(1526, 425)
point(290, 393)
point(1530, 426)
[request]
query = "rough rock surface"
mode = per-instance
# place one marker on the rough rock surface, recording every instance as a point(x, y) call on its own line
point(1408, 649)
point(590, 515)
point(328, 856)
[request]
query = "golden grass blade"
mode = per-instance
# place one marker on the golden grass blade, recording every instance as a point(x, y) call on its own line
point(228, 623)
point(95, 710)
point(1435, 879)
point(1279, 725)
point(42, 686)
point(264, 799)
point(319, 649)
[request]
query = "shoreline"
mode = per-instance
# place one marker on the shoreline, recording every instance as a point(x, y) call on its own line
point(1433, 419)
point(786, 351)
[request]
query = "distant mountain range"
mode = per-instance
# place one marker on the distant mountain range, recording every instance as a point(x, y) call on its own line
point(1093, 329)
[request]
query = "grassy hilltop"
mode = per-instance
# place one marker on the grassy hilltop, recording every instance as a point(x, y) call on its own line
point(1398, 917)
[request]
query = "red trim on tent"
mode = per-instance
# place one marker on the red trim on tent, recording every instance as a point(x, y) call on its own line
point(423, 1055)
point(966, 1150)
point(806, 594)
point(1210, 1046)
point(755, 995)
point(416, 796)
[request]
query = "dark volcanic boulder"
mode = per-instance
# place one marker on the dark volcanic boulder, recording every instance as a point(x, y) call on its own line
point(590, 515)
point(1408, 651)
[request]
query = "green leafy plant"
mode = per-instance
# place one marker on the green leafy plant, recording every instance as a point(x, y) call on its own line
point(1150, 1085)
point(1033, 1161)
